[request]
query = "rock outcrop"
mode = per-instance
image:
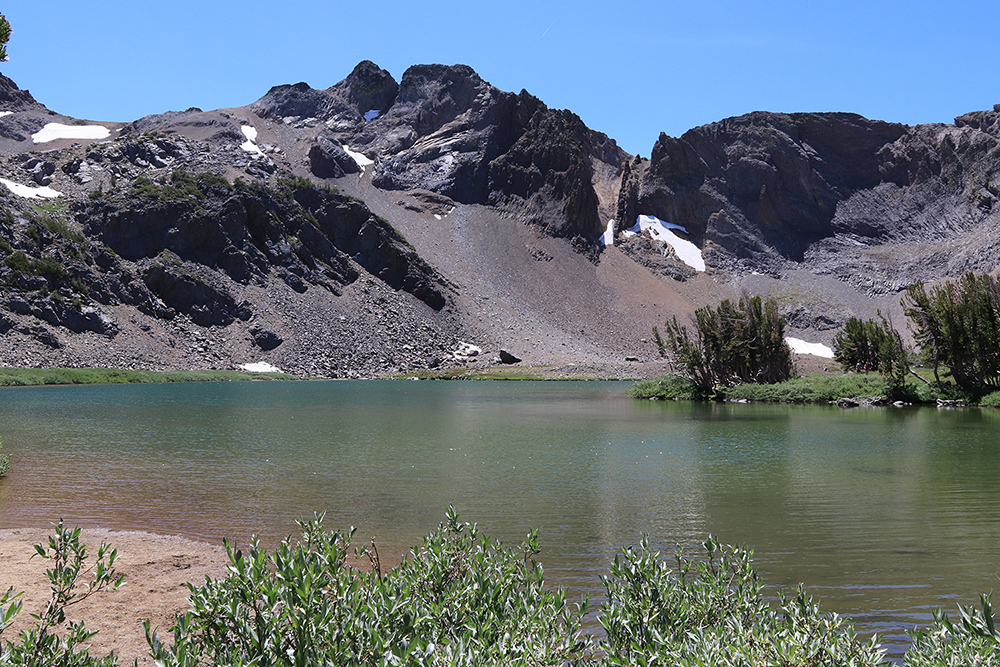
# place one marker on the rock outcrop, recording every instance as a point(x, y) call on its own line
point(445, 130)
point(761, 191)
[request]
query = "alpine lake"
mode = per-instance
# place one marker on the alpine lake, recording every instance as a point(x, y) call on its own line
point(884, 514)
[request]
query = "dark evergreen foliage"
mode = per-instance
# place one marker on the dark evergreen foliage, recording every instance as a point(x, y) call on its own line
point(731, 344)
point(958, 325)
point(872, 345)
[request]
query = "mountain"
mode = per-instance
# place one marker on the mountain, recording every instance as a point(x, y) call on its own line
point(380, 226)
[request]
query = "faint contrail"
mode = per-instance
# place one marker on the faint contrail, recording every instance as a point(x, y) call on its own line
point(549, 28)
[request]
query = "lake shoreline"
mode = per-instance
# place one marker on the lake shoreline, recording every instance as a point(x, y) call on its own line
point(157, 569)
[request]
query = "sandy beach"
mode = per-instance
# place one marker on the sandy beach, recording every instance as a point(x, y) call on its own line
point(156, 570)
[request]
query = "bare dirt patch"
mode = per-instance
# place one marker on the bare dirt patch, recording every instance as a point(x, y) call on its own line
point(157, 569)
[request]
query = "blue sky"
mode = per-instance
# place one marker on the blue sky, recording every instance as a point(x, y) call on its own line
point(630, 69)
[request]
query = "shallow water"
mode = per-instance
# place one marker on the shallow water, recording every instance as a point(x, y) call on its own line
point(884, 514)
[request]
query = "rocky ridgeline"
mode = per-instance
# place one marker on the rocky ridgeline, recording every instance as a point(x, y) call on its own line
point(877, 204)
point(445, 130)
point(216, 238)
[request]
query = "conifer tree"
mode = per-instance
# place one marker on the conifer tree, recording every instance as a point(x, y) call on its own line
point(4, 37)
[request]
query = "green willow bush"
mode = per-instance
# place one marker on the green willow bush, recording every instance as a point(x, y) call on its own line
point(40, 645)
point(973, 642)
point(460, 599)
point(712, 613)
point(463, 599)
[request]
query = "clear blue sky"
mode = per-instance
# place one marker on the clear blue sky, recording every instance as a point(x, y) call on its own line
point(631, 68)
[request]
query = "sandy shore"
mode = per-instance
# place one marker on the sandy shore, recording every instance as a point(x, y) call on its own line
point(156, 569)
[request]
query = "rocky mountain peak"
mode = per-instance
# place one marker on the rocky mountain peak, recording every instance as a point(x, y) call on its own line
point(763, 180)
point(985, 121)
point(368, 88)
point(293, 100)
point(14, 99)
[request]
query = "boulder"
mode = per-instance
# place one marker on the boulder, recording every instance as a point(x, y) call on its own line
point(327, 158)
point(265, 340)
point(508, 358)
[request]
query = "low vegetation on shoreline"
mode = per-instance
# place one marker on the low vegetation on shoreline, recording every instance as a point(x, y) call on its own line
point(818, 388)
point(27, 377)
point(738, 352)
point(462, 598)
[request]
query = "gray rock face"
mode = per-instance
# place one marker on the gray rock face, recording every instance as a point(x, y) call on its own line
point(763, 180)
point(327, 158)
point(368, 88)
point(762, 190)
point(297, 100)
point(454, 134)
point(443, 129)
point(343, 105)
point(14, 99)
point(508, 358)
point(264, 339)
point(311, 238)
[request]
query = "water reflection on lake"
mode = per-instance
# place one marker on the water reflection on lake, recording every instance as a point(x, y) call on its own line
point(882, 513)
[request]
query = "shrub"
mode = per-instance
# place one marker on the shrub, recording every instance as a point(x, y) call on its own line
point(39, 645)
point(991, 400)
point(19, 261)
point(872, 345)
point(459, 599)
point(666, 387)
point(973, 641)
point(56, 225)
point(812, 389)
point(731, 344)
point(712, 612)
point(958, 324)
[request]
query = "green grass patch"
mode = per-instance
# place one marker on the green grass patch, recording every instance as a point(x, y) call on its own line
point(26, 377)
point(47, 215)
point(817, 388)
point(666, 387)
point(182, 186)
point(500, 373)
point(991, 400)
point(468, 374)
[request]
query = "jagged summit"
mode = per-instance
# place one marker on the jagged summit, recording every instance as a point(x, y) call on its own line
point(369, 88)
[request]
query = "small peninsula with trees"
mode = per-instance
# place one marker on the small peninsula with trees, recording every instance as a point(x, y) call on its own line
point(738, 352)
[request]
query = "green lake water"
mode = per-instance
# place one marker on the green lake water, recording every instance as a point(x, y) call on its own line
point(884, 514)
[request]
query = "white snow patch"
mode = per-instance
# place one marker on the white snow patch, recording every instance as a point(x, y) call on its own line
point(54, 131)
point(466, 351)
point(260, 367)
point(608, 237)
point(686, 251)
point(250, 145)
point(362, 159)
point(29, 192)
point(372, 115)
point(5, 113)
point(800, 346)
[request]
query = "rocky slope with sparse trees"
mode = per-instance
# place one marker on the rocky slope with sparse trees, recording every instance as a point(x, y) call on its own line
point(377, 225)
